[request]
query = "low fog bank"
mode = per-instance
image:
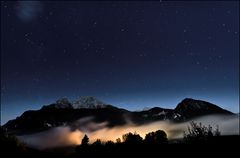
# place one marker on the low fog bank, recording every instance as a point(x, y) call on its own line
point(65, 136)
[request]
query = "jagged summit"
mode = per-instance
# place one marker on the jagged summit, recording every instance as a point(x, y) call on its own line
point(63, 103)
point(88, 102)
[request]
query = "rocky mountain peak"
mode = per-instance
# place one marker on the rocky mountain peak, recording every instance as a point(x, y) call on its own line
point(88, 102)
point(190, 107)
point(63, 103)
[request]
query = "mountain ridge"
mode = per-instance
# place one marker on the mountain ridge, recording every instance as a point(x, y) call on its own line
point(62, 113)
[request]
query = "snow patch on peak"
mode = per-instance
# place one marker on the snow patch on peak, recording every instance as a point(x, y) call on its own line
point(63, 104)
point(88, 102)
point(176, 115)
point(162, 113)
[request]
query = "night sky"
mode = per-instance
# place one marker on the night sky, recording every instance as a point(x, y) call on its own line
point(129, 54)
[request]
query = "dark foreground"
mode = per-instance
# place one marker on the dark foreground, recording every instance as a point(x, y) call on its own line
point(216, 146)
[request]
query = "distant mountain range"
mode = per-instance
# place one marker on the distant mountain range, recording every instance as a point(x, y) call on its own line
point(78, 114)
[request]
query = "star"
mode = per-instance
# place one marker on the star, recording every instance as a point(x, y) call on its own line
point(132, 50)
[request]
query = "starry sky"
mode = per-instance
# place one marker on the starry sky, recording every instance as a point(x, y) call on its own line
point(130, 54)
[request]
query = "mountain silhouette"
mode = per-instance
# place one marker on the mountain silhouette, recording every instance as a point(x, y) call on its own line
point(64, 112)
point(189, 108)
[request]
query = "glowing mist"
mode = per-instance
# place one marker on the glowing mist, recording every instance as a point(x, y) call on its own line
point(64, 136)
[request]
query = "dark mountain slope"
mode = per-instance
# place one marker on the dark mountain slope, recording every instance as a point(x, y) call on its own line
point(64, 112)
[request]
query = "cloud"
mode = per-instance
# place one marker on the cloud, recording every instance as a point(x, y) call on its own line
point(28, 10)
point(64, 136)
point(56, 137)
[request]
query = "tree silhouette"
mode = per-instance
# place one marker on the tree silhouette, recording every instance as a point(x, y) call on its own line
point(217, 131)
point(98, 142)
point(131, 138)
point(11, 145)
point(118, 140)
point(109, 143)
point(158, 137)
point(161, 137)
point(85, 140)
point(150, 138)
point(198, 133)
